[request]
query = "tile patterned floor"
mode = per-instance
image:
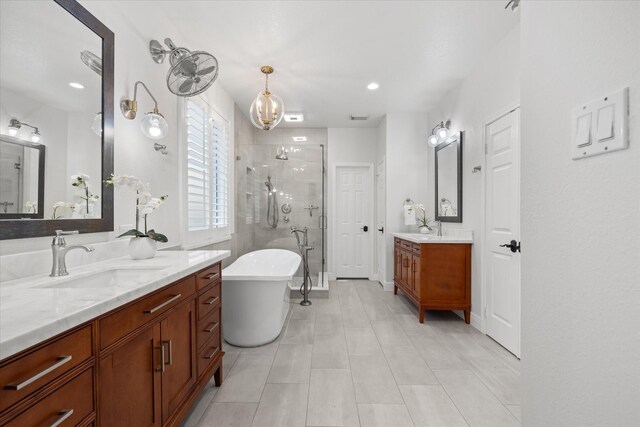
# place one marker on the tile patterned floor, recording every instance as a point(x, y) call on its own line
point(360, 358)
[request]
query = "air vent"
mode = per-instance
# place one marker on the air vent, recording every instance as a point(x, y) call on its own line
point(356, 117)
point(294, 117)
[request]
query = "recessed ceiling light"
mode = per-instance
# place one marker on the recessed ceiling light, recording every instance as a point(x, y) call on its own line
point(294, 117)
point(76, 85)
point(373, 86)
point(299, 138)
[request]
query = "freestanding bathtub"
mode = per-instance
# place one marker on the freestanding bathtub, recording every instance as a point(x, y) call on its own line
point(256, 296)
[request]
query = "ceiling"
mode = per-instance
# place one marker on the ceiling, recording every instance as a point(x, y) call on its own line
point(41, 44)
point(326, 52)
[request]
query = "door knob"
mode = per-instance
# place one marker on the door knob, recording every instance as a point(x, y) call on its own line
point(381, 229)
point(513, 246)
point(365, 228)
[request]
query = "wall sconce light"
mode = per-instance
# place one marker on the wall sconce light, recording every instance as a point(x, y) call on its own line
point(153, 125)
point(440, 133)
point(15, 125)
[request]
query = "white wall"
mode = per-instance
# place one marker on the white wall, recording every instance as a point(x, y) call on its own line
point(356, 145)
point(134, 152)
point(581, 220)
point(405, 145)
point(490, 90)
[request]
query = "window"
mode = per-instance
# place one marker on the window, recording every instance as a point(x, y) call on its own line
point(206, 174)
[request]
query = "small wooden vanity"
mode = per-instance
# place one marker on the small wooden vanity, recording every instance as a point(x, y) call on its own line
point(434, 275)
point(141, 364)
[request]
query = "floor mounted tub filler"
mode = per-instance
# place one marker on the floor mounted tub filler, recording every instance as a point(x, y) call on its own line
point(256, 296)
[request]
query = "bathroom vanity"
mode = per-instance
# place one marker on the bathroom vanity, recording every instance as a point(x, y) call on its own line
point(434, 272)
point(112, 344)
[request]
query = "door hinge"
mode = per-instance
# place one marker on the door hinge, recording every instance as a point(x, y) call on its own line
point(484, 312)
point(486, 150)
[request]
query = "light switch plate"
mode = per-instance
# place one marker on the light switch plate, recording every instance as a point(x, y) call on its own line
point(609, 126)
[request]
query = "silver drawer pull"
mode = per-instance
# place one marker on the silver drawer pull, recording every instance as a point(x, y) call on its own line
point(213, 352)
point(19, 386)
point(211, 327)
point(170, 358)
point(211, 300)
point(164, 304)
point(64, 415)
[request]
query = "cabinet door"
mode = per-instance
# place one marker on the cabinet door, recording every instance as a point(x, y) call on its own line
point(415, 280)
point(129, 386)
point(405, 269)
point(397, 266)
point(178, 337)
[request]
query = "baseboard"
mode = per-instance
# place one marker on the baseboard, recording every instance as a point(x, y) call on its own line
point(332, 276)
point(476, 321)
point(387, 286)
point(374, 277)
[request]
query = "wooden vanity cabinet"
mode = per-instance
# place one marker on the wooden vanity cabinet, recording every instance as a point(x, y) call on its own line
point(141, 365)
point(434, 276)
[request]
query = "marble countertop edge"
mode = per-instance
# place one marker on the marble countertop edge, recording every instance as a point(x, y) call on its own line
point(47, 325)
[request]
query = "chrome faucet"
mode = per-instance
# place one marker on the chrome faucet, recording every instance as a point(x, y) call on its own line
point(304, 248)
point(59, 249)
point(439, 225)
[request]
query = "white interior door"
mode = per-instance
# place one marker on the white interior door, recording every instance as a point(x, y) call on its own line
point(353, 227)
point(380, 220)
point(502, 273)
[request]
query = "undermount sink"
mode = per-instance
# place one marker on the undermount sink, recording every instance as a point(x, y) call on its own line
point(104, 279)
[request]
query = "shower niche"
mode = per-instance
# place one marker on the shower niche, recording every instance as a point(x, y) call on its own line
point(284, 187)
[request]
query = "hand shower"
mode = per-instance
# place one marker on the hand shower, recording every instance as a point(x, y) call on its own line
point(272, 204)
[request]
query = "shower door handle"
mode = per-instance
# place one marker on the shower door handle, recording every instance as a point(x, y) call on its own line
point(322, 223)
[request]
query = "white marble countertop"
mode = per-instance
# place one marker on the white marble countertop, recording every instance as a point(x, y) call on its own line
point(462, 238)
point(32, 309)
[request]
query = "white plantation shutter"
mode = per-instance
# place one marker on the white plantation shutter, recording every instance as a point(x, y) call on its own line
point(207, 172)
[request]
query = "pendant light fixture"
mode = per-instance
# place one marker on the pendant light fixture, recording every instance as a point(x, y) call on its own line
point(267, 110)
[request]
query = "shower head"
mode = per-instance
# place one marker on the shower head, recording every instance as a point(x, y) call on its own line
point(281, 154)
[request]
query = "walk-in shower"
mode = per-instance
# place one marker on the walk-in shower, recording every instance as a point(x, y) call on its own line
point(274, 195)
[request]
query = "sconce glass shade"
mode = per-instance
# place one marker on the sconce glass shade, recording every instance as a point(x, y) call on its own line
point(14, 127)
point(442, 134)
point(96, 126)
point(154, 126)
point(35, 136)
point(433, 140)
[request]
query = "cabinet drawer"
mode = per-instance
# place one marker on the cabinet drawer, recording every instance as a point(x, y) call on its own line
point(66, 406)
point(416, 248)
point(396, 241)
point(209, 300)
point(208, 276)
point(406, 245)
point(29, 373)
point(208, 352)
point(208, 327)
point(118, 324)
